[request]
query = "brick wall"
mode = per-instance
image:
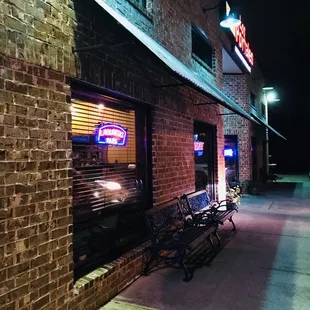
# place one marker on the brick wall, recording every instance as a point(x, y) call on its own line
point(36, 59)
point(35, 185)
point(236, 87)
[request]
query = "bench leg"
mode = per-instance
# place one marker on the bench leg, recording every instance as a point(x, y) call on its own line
point(217, 238)
point(211, 241)
point(231, 221)
point(181, 254)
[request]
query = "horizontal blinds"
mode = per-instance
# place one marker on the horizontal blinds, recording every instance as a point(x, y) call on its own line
point(103, 175)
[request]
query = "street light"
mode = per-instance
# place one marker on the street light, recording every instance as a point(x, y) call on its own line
point(270, 96)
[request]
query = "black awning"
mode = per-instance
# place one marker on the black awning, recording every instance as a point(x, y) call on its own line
point(268, 126)
point(184, 73)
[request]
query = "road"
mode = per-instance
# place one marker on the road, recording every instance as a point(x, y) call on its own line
point(264, 265)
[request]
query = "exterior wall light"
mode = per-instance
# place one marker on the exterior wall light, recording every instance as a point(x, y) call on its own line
point(229, 19)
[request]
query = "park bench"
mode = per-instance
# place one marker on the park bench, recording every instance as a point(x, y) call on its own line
point(171, 235)
point(203, 210)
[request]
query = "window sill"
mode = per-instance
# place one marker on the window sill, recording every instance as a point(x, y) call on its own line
point(142, 10)
point(203, 64)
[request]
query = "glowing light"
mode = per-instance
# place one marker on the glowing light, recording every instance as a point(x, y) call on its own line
point(230, 22)
point(229, 153)
point(73, 109)
point(242, 59)
point(100, 106)
point(96, 194)
point(111, 134)
point(198, 146)
point(272, 96)
point(239, 32)
point(113, 186)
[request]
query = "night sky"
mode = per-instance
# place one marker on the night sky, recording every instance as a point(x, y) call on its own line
point(278, 34)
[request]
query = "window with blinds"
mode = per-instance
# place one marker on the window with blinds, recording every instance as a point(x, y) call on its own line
point(104, 156)
point(109, 154)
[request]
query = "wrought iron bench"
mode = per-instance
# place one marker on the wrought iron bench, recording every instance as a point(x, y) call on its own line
point(203, 211)
point(171, 235)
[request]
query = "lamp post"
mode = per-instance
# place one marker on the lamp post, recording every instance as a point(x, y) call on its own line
point(269, 97)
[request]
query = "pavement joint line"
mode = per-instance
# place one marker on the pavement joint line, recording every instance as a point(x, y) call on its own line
point(265, 233)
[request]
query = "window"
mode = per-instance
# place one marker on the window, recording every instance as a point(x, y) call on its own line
point(201, 48)
point(205, 154)
point(263, 107)
point(109, 179)
point(253, 100)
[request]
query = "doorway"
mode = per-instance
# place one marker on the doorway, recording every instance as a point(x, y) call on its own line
point(205, 155)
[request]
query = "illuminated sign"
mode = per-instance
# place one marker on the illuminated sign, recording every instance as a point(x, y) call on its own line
point(111, 134)
point(239, 33)
point(198, 146)
point(228, 152)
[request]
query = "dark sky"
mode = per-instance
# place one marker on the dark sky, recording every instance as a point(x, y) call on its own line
point(279, 36)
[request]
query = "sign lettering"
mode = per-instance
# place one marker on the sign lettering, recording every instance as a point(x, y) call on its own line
point(111, 134)
point(240, 36)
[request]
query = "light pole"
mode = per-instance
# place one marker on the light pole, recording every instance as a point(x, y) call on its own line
point(269, 96)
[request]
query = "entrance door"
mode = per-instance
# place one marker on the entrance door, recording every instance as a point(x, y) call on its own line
point(204, 148)
point(231, 159)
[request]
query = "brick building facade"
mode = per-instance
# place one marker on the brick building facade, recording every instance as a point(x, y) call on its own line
point(38, 65)
point(243, 82)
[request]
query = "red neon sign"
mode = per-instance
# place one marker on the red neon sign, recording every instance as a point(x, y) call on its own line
point(240, 35)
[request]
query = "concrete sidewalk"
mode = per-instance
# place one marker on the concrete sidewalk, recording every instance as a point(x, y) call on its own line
point(265, 265)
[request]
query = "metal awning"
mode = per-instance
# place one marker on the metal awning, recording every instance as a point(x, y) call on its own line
point(268, 126)
point(184, 73)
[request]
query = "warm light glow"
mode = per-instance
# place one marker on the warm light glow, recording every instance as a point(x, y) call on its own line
point(73, 109)
point(100, 106)
point(96, 194)
point(113, 186)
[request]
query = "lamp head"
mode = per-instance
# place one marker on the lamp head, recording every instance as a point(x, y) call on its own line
point(230, 21)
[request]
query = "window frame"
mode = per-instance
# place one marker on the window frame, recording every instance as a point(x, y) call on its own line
point(203, 39)
point(142, 7)
point(263, 110)
point(253, 99)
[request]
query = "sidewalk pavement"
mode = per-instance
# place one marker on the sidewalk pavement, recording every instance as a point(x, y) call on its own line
point(265, 264)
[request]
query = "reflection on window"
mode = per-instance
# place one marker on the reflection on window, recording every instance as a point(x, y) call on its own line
point(107, 188)
point(201, 47)
point(263, 107)
point(103, 172)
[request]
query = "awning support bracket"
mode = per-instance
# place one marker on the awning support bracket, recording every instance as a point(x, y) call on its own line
point(97, 46)
point(204, 103)
point(227, 114)
point(169, 85)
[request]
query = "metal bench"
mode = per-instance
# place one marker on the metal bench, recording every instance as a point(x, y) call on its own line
point(203, 210)
point(171, 235)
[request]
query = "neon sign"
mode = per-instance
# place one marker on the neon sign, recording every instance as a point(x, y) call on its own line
point(228, 152)
point(240, 36)
point(198, 146)
point(111, 134)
